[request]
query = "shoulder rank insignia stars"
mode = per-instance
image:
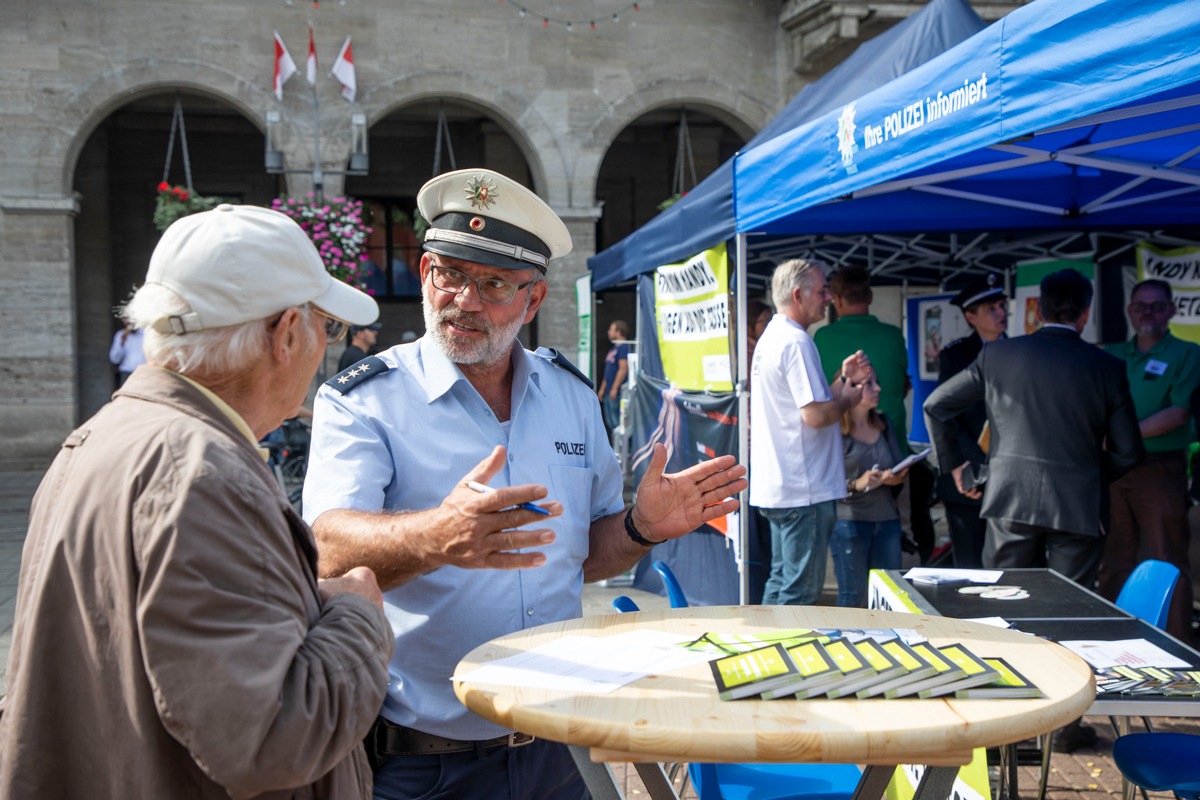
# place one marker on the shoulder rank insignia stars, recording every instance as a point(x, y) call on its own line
point(350, 377)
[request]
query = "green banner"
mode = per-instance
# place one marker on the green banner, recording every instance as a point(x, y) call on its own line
point(691, 302)
point(1180, 268)
point(583, 304)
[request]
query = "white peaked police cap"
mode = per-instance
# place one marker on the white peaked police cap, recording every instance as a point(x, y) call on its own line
point(484, 217)
point(237, 264)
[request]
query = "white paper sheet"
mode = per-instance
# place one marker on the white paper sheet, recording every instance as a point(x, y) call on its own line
point(995, 622)
point(590, 664)
point(935, 575)
point(1131, 652)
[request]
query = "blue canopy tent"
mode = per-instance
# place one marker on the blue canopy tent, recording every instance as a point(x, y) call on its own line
point(704, 216)
point(1066, 114)
point(1065, 119)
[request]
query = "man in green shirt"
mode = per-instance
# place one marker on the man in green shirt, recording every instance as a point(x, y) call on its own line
point(855, 330)
point(1149, 503)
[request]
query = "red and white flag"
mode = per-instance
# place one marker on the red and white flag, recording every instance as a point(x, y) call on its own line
point(343, 70)
point(310, 71)
point(285, 67)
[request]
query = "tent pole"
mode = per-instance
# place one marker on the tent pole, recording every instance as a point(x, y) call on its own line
point(741, 287)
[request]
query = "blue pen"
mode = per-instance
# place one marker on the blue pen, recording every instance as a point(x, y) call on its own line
point(479, 487)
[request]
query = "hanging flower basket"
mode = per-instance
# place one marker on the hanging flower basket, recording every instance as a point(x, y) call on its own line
point(174, 202)
point(336, 227)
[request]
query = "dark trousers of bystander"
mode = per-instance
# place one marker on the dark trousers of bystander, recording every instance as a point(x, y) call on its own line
point(1014, 545)
point(1149, 520)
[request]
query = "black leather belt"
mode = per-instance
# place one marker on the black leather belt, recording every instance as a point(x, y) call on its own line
point(390, 739)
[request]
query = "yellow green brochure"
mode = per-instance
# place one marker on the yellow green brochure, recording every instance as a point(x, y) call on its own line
point(947, 671)
point(847, 664)
point(1009, 683)
point(916, 667)
point(816, 670)
point(977, 673)
point(752, 673)
point(732, 643)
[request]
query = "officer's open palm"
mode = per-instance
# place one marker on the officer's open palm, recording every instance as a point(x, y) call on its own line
point(669, 506)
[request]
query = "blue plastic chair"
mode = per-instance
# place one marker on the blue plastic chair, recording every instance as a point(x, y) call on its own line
point(624, 604)
point(1161, 762)
point(1147, 592)
point(674, 591)
point(757, 781)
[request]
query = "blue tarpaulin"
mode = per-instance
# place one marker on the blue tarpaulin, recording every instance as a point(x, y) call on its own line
point(705, 216)
point(1064, 114)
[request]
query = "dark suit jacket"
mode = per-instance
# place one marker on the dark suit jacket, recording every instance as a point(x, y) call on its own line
point(1053, 402)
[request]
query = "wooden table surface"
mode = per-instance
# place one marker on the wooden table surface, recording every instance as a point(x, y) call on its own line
point(678, 716)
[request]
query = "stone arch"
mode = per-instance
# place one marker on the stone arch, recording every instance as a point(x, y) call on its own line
point(110, 248)
point(513, 112)
point(742, 113)
point(93, 102)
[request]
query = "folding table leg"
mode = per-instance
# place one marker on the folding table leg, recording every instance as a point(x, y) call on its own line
point(936, 784)
point(873, 783)
point(658, 786)
point(599, 778)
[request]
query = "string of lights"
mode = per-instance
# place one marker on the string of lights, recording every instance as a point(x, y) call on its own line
point(591, 22)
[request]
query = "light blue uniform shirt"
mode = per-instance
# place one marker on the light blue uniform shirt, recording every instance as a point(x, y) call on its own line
point(400, 441)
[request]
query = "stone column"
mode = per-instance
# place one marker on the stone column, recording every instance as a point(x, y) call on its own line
point(38, 398)
point(558, 325)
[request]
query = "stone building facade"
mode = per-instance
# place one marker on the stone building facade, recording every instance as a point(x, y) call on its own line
point(587, 114)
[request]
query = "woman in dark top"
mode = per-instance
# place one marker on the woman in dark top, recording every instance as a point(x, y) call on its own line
point(867, 534)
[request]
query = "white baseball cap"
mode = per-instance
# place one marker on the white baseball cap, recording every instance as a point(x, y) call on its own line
point(237, 264)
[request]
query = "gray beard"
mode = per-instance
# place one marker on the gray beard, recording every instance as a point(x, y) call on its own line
point(496, 347)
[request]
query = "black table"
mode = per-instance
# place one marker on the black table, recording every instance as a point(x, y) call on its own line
point(1060, 610)
point(1051, 596)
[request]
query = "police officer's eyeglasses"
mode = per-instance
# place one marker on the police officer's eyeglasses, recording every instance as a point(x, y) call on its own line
point(1157, 307)
point(335, 329)
point(490, 290)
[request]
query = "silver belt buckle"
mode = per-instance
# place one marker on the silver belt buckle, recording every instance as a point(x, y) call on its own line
point(517, 739)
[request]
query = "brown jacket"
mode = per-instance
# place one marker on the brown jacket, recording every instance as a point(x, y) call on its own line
point(169, 640)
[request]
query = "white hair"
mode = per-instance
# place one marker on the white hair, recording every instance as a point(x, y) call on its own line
point(792, 274)
point(216, 351)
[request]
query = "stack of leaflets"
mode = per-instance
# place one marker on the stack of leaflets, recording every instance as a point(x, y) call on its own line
point(945, 671)
point(976, 672)
point(1148, 681)
point(832, 663)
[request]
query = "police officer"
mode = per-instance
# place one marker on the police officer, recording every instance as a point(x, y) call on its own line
point(421, 460)
point(985, 307)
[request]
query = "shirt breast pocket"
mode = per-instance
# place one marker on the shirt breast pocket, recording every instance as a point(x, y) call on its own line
point(572, 486)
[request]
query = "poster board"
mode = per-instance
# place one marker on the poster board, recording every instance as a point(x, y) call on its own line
point(691, 301)
point(932, 324)
point(583, 304)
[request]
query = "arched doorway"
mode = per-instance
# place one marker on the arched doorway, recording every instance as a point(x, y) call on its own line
point(408, 147)
point(662, 153)
point(116, 177)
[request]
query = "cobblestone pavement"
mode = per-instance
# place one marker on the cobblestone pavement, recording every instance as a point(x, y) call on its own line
point(1087, 774)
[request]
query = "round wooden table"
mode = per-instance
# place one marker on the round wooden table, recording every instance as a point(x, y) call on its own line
point(678, 716)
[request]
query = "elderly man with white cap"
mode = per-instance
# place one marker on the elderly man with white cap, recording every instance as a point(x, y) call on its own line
point(171, 637)
point(426, 464)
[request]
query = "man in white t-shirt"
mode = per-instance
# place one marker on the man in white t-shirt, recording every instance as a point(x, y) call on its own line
point(796, 468)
